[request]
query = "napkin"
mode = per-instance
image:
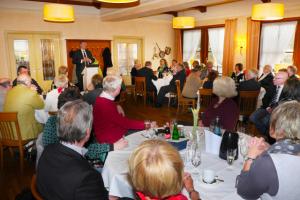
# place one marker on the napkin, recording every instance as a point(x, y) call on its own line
point(212, 142)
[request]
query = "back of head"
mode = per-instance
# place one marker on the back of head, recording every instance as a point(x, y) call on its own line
point(62, 70)
point(224, 87)
point(148, 64)
point(61, 81)
point(74, 119)
point(291, 90)
point(24, 79)
point(186, 64)
point(292, 70)
point(97, 81)
point(251, 73)
point(285, 120)
point(111, 83)
point(69, 94)
point(156, 169)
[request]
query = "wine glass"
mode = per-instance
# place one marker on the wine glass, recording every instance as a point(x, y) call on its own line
point(231, 153)
point(243, 146)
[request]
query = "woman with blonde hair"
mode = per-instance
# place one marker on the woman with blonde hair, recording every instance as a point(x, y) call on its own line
point(223, 106)
point(273, 172)
point(156, 172)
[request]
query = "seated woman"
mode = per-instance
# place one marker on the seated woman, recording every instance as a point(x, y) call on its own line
point(187, 68)
point(62, 70)
point(238, 75)
point(94, 90)
point(95, 150)
point(273, 172)
point(109, 125)
point(156, 172)
point(223, 106)
point(192, 84)
point(208, 82)
point(60, 82)
point(163, 67)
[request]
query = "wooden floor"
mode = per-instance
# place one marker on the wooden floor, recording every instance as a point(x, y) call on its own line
point(12, 182)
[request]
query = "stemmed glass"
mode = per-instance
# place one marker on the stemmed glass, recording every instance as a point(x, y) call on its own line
point(231, 153)
point(243, 146)
point(196, 156)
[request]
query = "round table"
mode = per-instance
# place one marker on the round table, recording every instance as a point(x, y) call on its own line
point(115, 170)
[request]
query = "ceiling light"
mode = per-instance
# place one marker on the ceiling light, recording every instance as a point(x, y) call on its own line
point(58, 12)
point(118, 1)
point(267, 11)
point(183, 22)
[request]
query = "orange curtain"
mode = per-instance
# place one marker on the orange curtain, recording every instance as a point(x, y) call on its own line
point(204, 45)
point(253, 42)
point(178, 45)
point(296, 56)
point(229, 46)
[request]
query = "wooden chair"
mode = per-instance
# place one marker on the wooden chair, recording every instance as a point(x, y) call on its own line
point(205, 98)
point(9, 126)
point(247, 101)
point(140, 89)
point(33, 188)
point(171, 95)
point(182, 101)
point(51, 113)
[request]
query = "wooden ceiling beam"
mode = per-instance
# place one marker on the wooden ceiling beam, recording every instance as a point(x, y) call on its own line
point(202, 9)
point(174, 13)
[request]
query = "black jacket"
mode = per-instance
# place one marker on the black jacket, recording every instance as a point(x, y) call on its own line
point(178, 76)
point(33, 82)
point(77, 57)
point(107, 57)
point(238, 78)
point(148, 74)
point(267, 81)
point(63, 173)
point(249, 85)
point(91, 96)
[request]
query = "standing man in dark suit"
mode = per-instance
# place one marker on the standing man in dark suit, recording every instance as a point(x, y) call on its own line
point(250, 84)
point(63, 172)
point(180, 75)
point(147, 72)
point(82, 58)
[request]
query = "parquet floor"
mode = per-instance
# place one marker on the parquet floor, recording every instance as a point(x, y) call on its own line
point(12, 182)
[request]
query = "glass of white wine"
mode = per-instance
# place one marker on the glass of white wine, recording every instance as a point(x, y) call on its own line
point(231, 153)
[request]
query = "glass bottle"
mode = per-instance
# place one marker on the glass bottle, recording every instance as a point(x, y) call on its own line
point(217, 127)
point(175, 133)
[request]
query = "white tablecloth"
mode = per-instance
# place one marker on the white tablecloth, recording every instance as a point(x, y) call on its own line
point(162, 82)
point(116, 167)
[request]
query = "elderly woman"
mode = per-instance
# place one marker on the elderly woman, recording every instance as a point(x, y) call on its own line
point(223, 106)
point(61, 82)
point(156, 172)
point(274, 172)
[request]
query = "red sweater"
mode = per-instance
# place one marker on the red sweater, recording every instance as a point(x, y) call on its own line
point(109, 125)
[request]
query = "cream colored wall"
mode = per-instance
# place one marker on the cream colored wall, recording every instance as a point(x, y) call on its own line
point(85, 27)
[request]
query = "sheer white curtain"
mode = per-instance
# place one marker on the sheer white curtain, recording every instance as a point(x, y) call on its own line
point(191, 42)
point(216, 42)
point(275, 40)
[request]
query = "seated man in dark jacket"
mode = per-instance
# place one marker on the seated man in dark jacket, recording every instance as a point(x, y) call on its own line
point(180, 75)
point(63, 172)
point(95, 90)
point(147, 72)
point(250, 84)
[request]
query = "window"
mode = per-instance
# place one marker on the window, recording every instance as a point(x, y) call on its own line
point(216, 46)
point(191, 45)
point(277, 43)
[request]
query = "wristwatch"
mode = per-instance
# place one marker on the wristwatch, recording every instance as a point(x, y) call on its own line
point(249, 158)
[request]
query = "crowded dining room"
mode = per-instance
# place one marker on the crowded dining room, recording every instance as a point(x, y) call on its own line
point(149, 99)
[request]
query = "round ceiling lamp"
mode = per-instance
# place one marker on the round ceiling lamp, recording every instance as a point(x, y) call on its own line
point(58, 12)
point(267, 11)
point(183, 22)
point(118, 1)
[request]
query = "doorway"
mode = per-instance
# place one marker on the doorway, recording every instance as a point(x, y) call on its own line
point(40, 52)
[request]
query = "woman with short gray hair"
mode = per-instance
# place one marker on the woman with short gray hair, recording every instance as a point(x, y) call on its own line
point(274, 172)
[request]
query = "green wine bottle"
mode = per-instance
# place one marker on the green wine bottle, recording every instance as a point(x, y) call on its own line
point(175, 134)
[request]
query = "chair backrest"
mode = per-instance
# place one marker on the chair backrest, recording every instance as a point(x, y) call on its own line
point(140, 85)
point(33, 188)
point(205, 98)
point(53, 113)
point(247, 102)
point(9, 128)
point(178, 88)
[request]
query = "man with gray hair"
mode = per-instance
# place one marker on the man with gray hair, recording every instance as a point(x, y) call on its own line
point(251, 83)
point(24, 99)
point(63, 172)
point(109, 125)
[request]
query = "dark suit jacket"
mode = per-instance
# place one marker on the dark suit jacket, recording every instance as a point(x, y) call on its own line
point(249, 85)
point(91, 96)
point(178, 76)
point(33, 82)
point(148, 74)
point(208, 85)
point(63, 173)
point(267, 81)
point(238, 78)
point(77, 56)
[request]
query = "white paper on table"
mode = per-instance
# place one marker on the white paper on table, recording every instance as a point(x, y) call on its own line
point(212, 142)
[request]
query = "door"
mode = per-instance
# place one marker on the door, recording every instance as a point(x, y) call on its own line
point(39, 52)
point(126, 50)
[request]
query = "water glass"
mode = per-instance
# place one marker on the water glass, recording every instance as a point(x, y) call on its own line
point(243, 146)
point(231, 153)
point(196, 157)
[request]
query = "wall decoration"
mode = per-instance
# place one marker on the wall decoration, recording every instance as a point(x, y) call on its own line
point(160, 53)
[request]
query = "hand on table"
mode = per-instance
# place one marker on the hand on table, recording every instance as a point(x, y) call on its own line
point(189, 186)
point(120, 144)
